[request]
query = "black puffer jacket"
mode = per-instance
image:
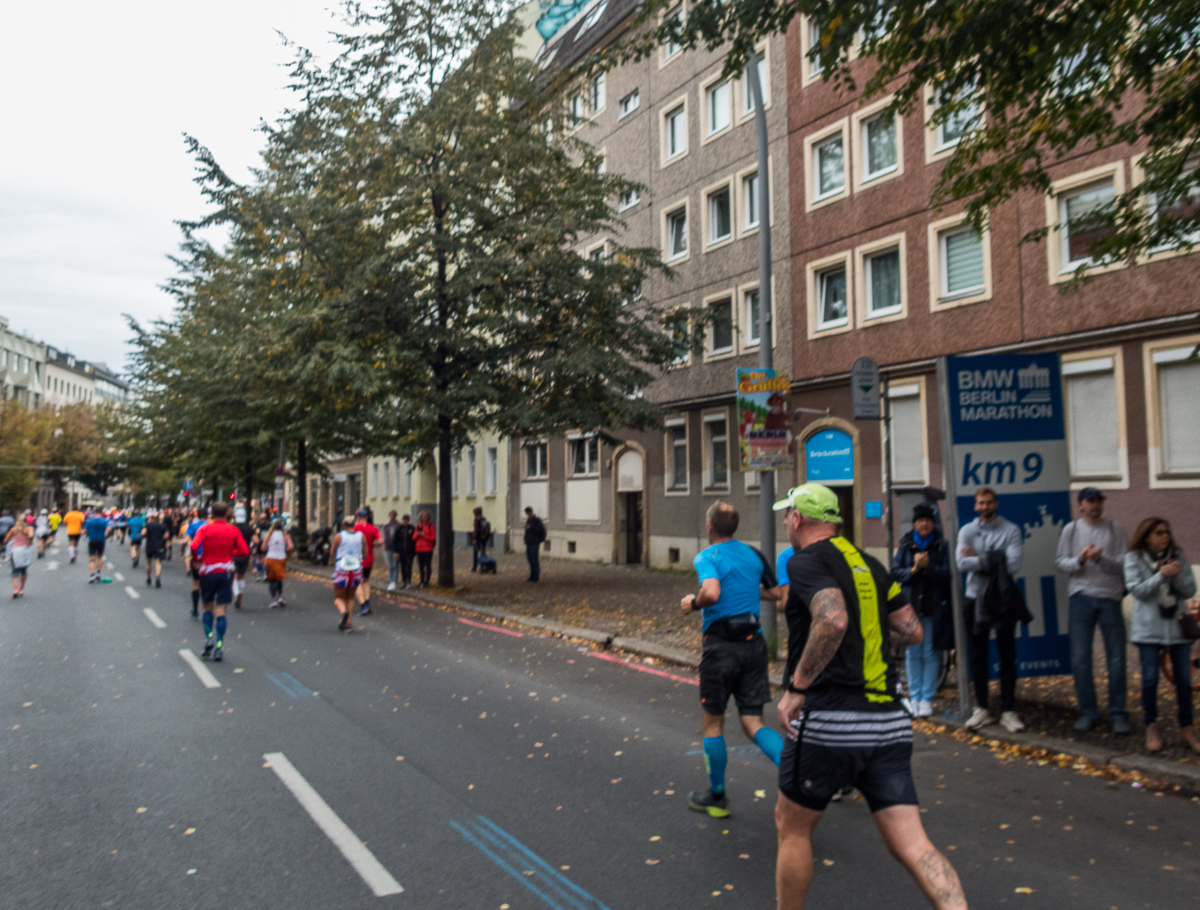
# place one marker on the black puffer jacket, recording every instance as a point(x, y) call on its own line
point(928, 590)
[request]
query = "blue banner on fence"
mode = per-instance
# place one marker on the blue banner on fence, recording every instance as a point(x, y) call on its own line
point(1007, 428)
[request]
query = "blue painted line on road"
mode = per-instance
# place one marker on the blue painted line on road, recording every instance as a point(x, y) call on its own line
point(563, 890)
point(290, 685)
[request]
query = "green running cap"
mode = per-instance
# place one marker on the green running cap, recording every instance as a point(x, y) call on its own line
point(813, 500)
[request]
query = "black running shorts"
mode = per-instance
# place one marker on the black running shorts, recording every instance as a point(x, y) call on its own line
point(738, 669)
point(73, 539)
point(216, 586)
point(241, 565)
point(366, 570)
point(95, 547)
point(835, 749)
point(155, 554)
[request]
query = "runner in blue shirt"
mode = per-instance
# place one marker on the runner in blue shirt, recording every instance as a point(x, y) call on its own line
point(96, 529)
point(136, 525)
point(734, 661)
point(192, 566)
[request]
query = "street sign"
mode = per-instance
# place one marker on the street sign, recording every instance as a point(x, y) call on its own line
point(864, 389)
point(1007, 430)
point(829, 457)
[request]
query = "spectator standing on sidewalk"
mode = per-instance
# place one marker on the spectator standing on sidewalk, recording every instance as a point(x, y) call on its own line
point(1160, 579)
point(1091, 551)
point(987, 546)
point(535, 533)
point(922, 567)
point(389, 549)
point(481, 537)
point(404, 545)
point(424, 540)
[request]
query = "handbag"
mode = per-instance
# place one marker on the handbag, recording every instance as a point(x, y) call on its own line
point(1189, 628)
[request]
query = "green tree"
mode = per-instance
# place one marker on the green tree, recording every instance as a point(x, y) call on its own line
point(1037, 81)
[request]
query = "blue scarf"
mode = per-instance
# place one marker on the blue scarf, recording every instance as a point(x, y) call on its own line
point(922, 543)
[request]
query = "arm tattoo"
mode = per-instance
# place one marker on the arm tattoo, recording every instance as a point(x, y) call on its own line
point(905, 624)
point(828, 609)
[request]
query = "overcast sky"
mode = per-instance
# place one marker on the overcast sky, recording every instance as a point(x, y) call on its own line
point(93, 170)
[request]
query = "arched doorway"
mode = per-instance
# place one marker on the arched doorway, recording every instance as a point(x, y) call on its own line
point(630, 540)
point(831, 456)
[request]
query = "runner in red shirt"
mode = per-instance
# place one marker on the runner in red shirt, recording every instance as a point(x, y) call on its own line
point(214, 549)
point(371, 538)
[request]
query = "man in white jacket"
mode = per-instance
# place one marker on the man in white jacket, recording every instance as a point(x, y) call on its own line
point(986, 534)
point(1091, 551)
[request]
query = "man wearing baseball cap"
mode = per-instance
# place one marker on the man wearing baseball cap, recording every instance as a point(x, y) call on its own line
point(842, 710)
point(1091, 552)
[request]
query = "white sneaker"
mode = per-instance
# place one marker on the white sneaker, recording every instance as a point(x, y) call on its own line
point(925, 709)
point(1010, 722)
point(979, 718)
point(391, 586)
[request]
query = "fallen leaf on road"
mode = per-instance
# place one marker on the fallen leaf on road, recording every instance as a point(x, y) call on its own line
point(618, 752)
point(564, 868)
point(652, 862)
point(189, 831)
point(483, 716)
point(656, 837)
point(27, 704)
point(141, 809)
point(760, 793)
point(729, 887)
point(716, 894)
point(527, 872)
point(31, 767)
point(828, 862)
point(1023, 890)
point(743, 856)
point(1169, 868)
point(239, 670)
point(191, 872)
point(399, 758)
point(267, 764)
point(16, 726)
point(615, 780)
point(1002, 827)
point(470, 786)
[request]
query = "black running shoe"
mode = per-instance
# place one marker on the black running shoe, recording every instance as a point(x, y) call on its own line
point(157, 582)
point(345, 622)
point(716, 806)
point(208, 650)
point(365, 611)
point(147, 581)
point(218, 654)
point(195, 613)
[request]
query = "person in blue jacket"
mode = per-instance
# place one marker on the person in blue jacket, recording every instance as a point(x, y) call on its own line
point(922, 568)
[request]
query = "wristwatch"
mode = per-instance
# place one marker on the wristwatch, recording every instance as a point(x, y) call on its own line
point(792, 687)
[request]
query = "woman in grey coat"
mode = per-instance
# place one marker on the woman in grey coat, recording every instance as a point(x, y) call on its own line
point(1158, 576)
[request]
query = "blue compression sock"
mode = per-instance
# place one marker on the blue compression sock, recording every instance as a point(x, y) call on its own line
point(207, 618)
point(770, 742)
point(220, 629)
point(715, 759)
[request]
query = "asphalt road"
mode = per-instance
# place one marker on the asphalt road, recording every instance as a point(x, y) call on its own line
point(469, 767)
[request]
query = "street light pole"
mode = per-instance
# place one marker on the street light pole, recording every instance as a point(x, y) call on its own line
point(766, 339)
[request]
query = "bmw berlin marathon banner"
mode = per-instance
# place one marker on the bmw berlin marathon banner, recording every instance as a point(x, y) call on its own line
point(1007, 427)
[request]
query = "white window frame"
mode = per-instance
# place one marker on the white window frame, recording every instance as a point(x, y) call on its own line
point(668, 213)
point(1059, 271)
point(746, 110)
point(1163, 252)
point(491, 471)
point(741, 228)
point(909, 387)
point(812, 272)
point(748, 343)
point(812, 197)
point(472, 469)
point(586, 439)
point(669, 50)
point(454, 473)
point(670, 488)
point(936, 149)
point(707, 96)
point(408, 481)
point(862, 276)
point(575, 108)
point(1154, 353)
point(540, 449)
point(860, 121)
point(628, 199)
point(375, 480)
point(678, 107)
point(808, 71)
point(1099, 360)
point(711, 352)
point(937, 231)
point(726, 187)
point(685, 358)
point(596, 95)
point(630, 103)
point(708, 418)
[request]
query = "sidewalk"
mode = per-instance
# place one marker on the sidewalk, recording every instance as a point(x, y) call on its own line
point(637, 609)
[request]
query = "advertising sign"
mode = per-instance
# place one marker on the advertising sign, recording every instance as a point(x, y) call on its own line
point(764, 419)
point(1007, 429)
point(864, 389)
point(829, 457)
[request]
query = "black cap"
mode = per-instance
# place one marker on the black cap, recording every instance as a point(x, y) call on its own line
point(1090, 493)
point(924, 510)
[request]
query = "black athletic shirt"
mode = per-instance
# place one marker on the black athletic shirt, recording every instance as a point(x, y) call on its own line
point(246, 530)
point(155, 534)
point(861, 676)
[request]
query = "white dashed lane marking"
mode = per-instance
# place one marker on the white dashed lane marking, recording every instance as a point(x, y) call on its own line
point(206, 677)
point(132, 593)
point(154, 618)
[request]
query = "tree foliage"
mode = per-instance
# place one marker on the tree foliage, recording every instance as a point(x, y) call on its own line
point(1041, 82)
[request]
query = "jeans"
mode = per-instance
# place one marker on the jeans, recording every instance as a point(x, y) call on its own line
point(1006, 645)
point(1085, 613)
point(1181, 664)
point(531, 553)
point(425, 564)
point(480, 550)
point(393, 567)
point(405, 560)
point(921, 663)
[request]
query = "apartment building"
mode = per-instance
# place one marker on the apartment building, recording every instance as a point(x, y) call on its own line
point(686, 133)
point(67, 380)
point(22, 361)
point(879, 273)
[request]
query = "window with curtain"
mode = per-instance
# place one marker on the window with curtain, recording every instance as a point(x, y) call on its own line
point(884, 294)
point(961, 255)
point(374, 480)
point(677, 436)
point(676, 132)
point(1083, 221)
point(1093, 436)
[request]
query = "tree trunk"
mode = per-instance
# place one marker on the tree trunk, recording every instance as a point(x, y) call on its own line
point(445, 522)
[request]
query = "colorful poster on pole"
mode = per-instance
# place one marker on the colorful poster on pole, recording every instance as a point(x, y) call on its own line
point(764, 407)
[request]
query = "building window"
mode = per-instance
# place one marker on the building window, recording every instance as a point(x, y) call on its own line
point(471, 472)
point(575, 108)
point(832, 306)
point(1093, 430)
point(908, 433)
point(721, 333)
point(829, 166)
point(672, 47)
point(718, 451)
point(720, 225)
point(1178, 385)
point(629, 104)
point(883, 280)
point(374, 480)
point(537, 465)
point(814, 65)
point(1083, 218)
point(677, 454)
point(585, 457)
point(951, 131)
point(454, 474)
point(676, 131)
point(408, 483)
point(598, 254)
point(677, 234)
point(960, 252)
point(387, 480)
point(750, 309)
point(1185, 207)
point(678, 327)
point(596, 94)
point(592, 18)
point(879, 146)
point(764, 83)
point(750, 201)
point(628, 199)
point(314, 501)
point(717, 107)
point(491, 471)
